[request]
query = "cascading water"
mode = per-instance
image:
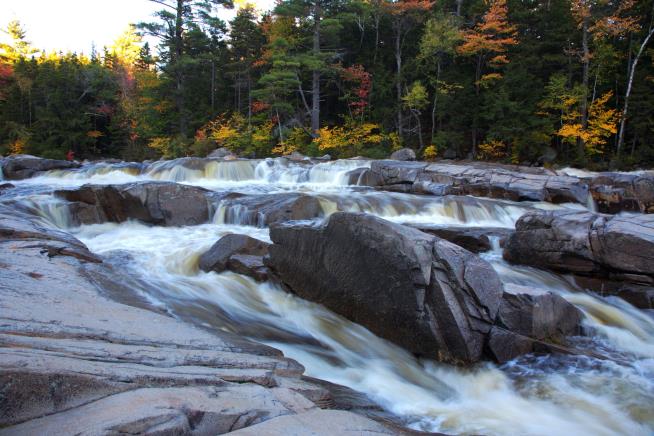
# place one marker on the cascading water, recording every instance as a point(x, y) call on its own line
point(610, 391)
point(258, 175)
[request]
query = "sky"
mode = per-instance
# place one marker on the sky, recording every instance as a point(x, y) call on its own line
point(74, 25)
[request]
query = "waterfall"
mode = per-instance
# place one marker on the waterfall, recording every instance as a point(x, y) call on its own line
point(609, 391)
point(528, 396)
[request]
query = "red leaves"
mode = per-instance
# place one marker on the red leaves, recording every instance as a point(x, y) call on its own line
point(259, 106)
point(362, 81)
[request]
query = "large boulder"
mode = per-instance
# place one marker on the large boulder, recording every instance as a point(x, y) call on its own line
point(604, 247)
point(423, 293)
point(403, 154)
point(584, 242)
point(263, 210)
point(23, 166)
point(239, 253)
point(159, 203)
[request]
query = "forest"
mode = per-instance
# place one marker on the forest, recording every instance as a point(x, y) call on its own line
point(536, 82)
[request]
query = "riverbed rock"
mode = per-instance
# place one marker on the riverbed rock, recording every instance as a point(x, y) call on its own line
point(23, 166)
point(538, 314)
point(74, 361)
point(621, 192)
point(603, 247)
point(403, 154)
point(263, 210)
point(159, 203)
point(482, 180)
point(239, 253)
point(423, 293)
point(584, 242)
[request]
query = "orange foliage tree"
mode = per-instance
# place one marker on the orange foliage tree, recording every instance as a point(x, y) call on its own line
point(489, 41)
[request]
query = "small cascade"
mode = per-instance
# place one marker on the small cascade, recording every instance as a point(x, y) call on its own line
point(53, 211)
point(446, 211)
point(283, 171)
point(239, 214)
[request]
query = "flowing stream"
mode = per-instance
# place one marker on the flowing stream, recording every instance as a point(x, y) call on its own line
point(611, 393)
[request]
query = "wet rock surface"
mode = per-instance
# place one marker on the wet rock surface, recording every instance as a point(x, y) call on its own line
point(23, 166)
point(160, 203)
point(73, 361)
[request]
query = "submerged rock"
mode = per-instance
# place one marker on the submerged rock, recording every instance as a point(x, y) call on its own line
point(239, 253)
point(23, 166)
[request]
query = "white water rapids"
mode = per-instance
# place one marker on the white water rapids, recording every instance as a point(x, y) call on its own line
point(612, 394)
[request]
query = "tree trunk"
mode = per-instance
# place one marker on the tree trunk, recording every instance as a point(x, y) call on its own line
point(213, 87)
point(315, 87)
point(179, 76)
point(459, 4)
point(585, 80)
point(625, 109)
point(398, 75)
point(249, 98)
point(433, 108)
point(475, 120)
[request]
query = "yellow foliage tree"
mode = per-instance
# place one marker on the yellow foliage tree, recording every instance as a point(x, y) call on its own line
point(602, 123)
point(350, 138)
point(492, 150)
point(430, 153)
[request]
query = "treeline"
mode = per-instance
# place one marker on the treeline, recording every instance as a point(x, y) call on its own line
point(522, 81)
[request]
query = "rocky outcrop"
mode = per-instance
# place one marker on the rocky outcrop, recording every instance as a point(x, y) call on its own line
point(474, 239)
point(403, 154)
point(239, 253)
point(23, 166)
point(481, 180)
point(363, 177)
point(74, 361)
point(159, 203)
point(421, 292)
point(603, 247)
point(425, 294)
point(263, 210)
point(619, 192)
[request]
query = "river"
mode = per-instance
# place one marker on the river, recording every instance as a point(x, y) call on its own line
point(611, 393)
